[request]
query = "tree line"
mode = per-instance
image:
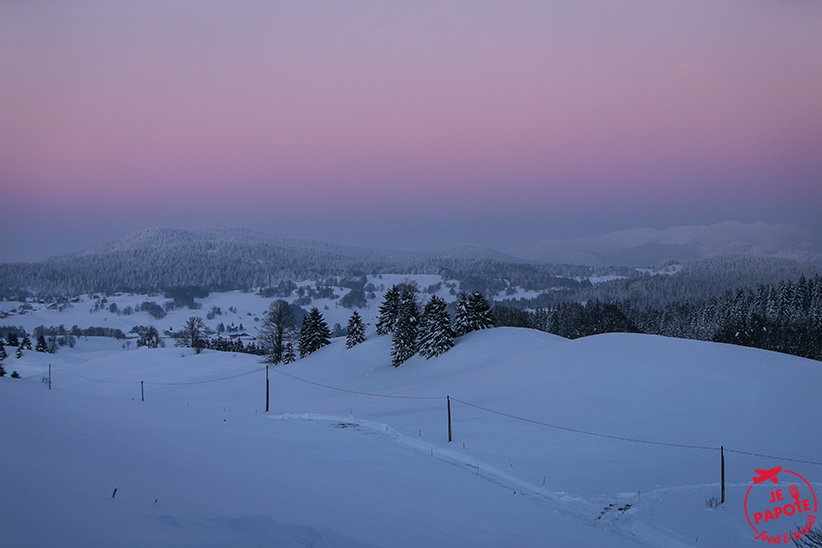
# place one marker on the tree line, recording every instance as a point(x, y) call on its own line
point(785, 317)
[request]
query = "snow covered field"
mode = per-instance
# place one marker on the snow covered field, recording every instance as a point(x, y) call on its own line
point(355, 452)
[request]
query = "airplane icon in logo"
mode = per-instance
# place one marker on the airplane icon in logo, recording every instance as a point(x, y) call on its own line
point(765, 475)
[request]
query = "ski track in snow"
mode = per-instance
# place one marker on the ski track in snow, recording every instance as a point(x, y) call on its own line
point(616, 512)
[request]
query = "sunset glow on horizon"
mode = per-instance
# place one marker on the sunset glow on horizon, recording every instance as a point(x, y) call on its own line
point(413, 125)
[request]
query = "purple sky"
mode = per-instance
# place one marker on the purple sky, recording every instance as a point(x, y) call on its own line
point(405, 124)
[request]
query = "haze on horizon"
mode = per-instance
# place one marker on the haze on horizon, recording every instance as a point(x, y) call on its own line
point(411, 126)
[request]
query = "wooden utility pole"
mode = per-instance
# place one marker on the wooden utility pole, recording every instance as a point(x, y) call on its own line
point(266, 389)
point(722, 459)
point(448, 399)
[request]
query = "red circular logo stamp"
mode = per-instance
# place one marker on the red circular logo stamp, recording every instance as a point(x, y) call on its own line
point(780, 505)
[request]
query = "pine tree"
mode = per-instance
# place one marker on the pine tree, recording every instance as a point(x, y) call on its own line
point(11, 339)
point(473, 313)
point(26, 344)
point(314, 333)
point(2, 371)
point(356, 331)
point(288, 354)
point(41, 344)
point(404, 336)
point(462, 316)
point(481, 316)
point(388, 311)
point(435, 329)
point(3, 354)
point(19, 353)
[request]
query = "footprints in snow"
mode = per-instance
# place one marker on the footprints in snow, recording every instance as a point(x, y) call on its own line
point(613, 512)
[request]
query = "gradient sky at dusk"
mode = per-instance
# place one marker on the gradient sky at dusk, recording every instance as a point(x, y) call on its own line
point(405, 124)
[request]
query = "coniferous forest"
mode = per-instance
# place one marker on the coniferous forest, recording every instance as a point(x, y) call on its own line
point(766, 303)
point(786, 317)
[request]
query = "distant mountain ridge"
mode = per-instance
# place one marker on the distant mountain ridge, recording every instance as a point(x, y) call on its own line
point(645, 246)
point(229, 258)
point(225, 259)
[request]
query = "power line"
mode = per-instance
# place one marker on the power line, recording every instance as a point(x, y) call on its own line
point(577, 431)
point(772, 457)
point(635, 440)
point(207, 381)
point(163, 383)
point(486, 409)
point(356, 391)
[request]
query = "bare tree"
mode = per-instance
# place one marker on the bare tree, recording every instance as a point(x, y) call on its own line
point(193, 334)
point(277, 330)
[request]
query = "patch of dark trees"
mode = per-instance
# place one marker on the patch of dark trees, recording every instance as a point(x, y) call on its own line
point(786, 318)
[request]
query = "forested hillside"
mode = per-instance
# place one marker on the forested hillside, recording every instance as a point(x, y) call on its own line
point(160, 259)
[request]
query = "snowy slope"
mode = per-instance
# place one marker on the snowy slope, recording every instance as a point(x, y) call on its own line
point(355, 452)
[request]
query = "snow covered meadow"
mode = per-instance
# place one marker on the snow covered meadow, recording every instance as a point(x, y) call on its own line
point(354, 452)
point(608, 440)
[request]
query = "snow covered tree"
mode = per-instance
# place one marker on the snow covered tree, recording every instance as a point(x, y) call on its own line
point(461, 316)
point(473, 313)
point(314, 333)
point(11, 339)
point(41, 344)
point(481, 315)
point(277, 330)
point(435, 329)
point(149, 337)
point(404, 336)
point(356, 331)
point(288, 354)
point(193, 334)
point(812, 539)
point(15, 375)
point(26, 343)
point(2, 371)
point(388, 311)
point(3, 354)
point(19, 353)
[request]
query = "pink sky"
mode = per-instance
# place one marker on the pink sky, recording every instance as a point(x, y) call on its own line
point(406, 124)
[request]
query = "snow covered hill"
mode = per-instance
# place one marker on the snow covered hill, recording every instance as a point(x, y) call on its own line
point(609, 440)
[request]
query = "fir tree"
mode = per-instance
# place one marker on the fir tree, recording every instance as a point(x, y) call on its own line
point(26, 343)
point(435, 329)
point(41, 344)
point(2, 371)
point(473, 313)
point(11, 339)
point(288, 354)
point(3, 354)
point(15, 375)
point(404, 336)
point(481, 316)
point(19, 353)
point(314, 333)
point(462, 316)
point(388, 311)
point(356, 331)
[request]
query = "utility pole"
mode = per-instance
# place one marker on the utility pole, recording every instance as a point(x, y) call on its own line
point(722, 458)
point(448, 399)
point(266, 389)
